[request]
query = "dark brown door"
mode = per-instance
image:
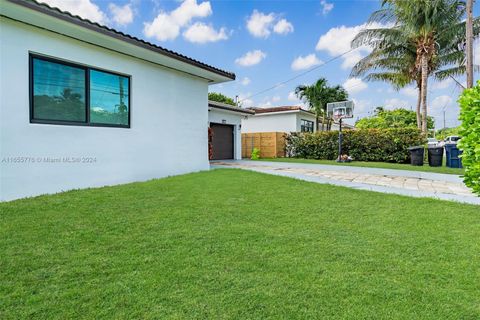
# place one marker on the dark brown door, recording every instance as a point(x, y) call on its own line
point(222, 141)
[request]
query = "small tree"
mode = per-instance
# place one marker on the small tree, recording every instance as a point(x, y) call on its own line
point(398, 118)
point(470, 132)
point(218, 97)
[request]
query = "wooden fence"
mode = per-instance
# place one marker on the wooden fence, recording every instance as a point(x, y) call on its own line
point(270, 144)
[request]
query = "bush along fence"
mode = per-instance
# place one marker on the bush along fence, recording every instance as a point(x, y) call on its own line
point(384, 145)
point(470, 132)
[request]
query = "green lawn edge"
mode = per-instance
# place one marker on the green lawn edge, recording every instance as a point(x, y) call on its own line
point(235, 244)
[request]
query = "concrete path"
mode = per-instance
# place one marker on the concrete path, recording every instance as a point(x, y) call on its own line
point(409, 183)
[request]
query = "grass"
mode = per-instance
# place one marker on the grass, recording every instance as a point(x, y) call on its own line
point(383, 165)
point(233, 244)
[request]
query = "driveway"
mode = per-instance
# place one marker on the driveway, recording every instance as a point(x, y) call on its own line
point(403, 182)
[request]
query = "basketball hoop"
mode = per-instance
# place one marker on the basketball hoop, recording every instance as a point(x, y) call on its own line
point(338, 114)
point(338, 111)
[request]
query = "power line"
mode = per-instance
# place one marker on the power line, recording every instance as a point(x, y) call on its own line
point(299, 75)
point(319, 66)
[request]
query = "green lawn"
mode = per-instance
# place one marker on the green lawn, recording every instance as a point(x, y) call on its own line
point(383, 165)
point(232, 244)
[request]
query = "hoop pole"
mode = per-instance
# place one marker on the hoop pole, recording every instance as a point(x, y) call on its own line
point(340, 138)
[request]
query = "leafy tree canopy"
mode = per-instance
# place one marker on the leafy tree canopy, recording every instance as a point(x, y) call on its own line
point(215, 96)
point(445, 132)
point(470, 132)
point(398, 118)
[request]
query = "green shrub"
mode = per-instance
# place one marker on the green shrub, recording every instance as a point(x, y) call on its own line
point(385, 145)
point(470, 133)
point(255, 154)
point(443, 133)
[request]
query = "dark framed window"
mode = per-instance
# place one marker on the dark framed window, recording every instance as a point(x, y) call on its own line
point(306, 126)
point(65, 93)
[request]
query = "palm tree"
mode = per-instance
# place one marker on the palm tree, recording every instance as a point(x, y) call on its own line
point(312, 95)
point(425, 39)
point(392, 60)
point(317, 95)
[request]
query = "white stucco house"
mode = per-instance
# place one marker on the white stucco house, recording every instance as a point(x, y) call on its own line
point(83, 105)
point(280, 119)
point(225, 121)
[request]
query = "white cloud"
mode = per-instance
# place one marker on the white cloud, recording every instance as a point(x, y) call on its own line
point(163, 28)
point(448, 104)
point(121, 15)
point(292, 96)
point(202, 33)
point(294, 99)
point(83, 8)
point(283, 27)
point(245, 101)
point(275, 98)
point(350, 59)
point(326, 7)
point(411, 92)
point(476, 52)
point(245, 81)
point(336, 41)
point(354, 85)
point(261, 25)
point(440, 102)
point(302, 63)
point(439, 85)
point(251, 58)
point(362, 107)
point(265, 104)
point(395, 103)
point(166, 26)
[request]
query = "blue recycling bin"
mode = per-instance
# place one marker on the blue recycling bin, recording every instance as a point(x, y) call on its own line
point(453, 156)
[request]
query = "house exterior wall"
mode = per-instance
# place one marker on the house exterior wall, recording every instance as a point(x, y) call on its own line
point(231, 118)
point(281, 122)
point(276, 122)
point(305, 116)
point(168, 133)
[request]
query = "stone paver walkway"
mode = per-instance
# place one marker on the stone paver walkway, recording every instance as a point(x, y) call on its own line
point(411, 183)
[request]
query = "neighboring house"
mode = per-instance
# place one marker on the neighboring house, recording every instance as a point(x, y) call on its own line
point(83, 105)
point(280, 119)
point(345, 126)
point(226, 122)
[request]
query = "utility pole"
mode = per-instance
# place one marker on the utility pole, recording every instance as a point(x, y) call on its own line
point(444, 126)
point(469, 43)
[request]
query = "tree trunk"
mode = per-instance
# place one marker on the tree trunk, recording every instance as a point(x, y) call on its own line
point(424, 65)
point(419, 114)
point(316, 120)
point(323, 122)
point(469, 43)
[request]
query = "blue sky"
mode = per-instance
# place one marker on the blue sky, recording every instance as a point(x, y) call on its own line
point(265, 43)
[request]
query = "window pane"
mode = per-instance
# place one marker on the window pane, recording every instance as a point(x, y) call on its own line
point(58, 92)
point(108, 98)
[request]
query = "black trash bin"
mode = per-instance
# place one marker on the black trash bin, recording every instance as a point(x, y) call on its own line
point(417, 155)
point(453, 156)
point(435, 156)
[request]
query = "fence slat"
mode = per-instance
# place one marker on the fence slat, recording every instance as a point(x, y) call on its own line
point(270, 144)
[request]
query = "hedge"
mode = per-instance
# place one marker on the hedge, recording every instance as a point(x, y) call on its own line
point(384, 145)
point(470, 133)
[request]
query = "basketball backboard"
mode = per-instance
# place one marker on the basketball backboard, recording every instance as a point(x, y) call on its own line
point(340, 110)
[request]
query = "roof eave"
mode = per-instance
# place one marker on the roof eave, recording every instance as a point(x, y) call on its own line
point(45, 17)
point(224, 107)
